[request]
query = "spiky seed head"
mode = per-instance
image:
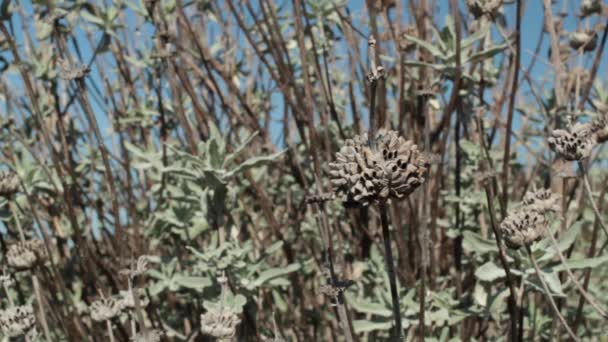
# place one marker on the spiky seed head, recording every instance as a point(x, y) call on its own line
point(105, 308)
point(26, 254)
point(529, 222)
point(391, 168)
point(9, 183)
point(577, 143)
point(17, 321)
point(220, 324)
point(151, 335)
point(586, 39)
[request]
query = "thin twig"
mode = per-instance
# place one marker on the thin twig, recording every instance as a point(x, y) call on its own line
point(590, 195)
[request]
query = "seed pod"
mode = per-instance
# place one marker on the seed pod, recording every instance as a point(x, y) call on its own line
point(104, 309)
point(9, 183)
point(17, 321)
point(390, 168)
point(25, 255)
point(528, 223)
point(221, 325)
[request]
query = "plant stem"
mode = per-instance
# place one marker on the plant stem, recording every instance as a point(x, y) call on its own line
point(110, 333)
point(600, 219)
point(390, 269)
point(549, 296)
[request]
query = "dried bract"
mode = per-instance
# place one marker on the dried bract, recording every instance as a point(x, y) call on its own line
point(9, 183)
point(528, 223)
point(25, 255)
point(221, 325)
point(17, 321)
point(390, 168)
point(577, 143)
point(105, 309)
point(587, 40)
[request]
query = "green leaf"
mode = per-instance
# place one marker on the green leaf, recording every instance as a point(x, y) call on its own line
point(272, 273)
point(580, 264)
point(367, 307)
point(473, 242)
point(192, 282)
point(231, 157)
point(426, 45)
point(489, 272)
point(254, 162)
point(363, 326)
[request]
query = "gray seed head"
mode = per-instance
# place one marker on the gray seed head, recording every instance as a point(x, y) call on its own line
point(577, 143)
point(9, 183)
point(221, 325)
point(152, 335)
point(25, 255)
point(391, 168)
point(528, 223)
point(17, 321)
point(105, 309)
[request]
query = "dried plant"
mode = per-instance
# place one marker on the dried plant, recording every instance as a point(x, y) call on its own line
point(9, 183)
point(17, 321)
point(26, 254)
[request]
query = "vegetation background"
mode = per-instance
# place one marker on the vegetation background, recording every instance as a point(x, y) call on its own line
point(173, 170)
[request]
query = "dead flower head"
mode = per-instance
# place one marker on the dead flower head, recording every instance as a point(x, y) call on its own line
point(127, 300)
point(220, 324)
point(104, 309)
point(151, 335)
point(70, 72)
point(480, 8)
point(390, 168)
point(528, 223)
point(589, 7)
point(587, 40)
point(25, 255)
point(577, 143)
point(17, 321)
point(9, 183)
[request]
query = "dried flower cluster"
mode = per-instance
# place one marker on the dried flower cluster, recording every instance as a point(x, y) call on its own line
point(390, 168)
point(577, 143)
point(220, 324)
point(9, 183)
point(529, 222)
point(26, 254)
point(70, 72)
point(590, 7)
point(17, 321)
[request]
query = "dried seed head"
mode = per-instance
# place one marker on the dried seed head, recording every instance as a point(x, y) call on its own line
point(70, 72)
point(221, 325)
point(529, 222)
point(322, 198)
point(9, 183)
point(17, 321)
point(484, 7)
point(151, 335)
point(128, 302)
point(25, 255)
point(104, 309)
point(7, 281)
point(391, 168)
point(577, 143)
point(586, 39)
point(589, 7)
